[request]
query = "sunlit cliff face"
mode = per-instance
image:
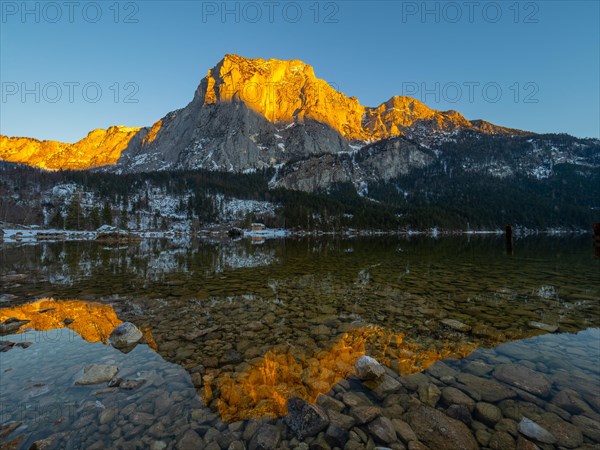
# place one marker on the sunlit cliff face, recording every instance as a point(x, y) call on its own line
point(264, 388)
point(284, 92)
point(92, 321)
point(288, 91)
point(98, 148)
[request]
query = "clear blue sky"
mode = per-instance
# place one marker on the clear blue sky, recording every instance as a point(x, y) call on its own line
point(547, 51)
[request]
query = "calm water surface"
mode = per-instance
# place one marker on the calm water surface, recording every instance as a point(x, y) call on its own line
point(232, 330)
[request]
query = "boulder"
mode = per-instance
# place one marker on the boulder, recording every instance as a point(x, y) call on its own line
point(438, 431)
point(9, 427)
point(304, 419)
point(266, 438)
point(566, 434)
point(429, 394)
point(367, 368)
point(383, 386)
point(460, 412)
point(340, 420)
point(189, 441)
point(570, 401)
point(404, 431)
point(452, 396)
point(383, 430)
point(336, 436)
point(543, 326)
point(125, 336)
point(365, 414)
point(588, 426)
point(524, 444)
point(524, 378)
point(501, 440)
point(11, 325)
point(96, 373)
point(490, 390)
point(532, 430)
point(487, 413)
point(456, 325)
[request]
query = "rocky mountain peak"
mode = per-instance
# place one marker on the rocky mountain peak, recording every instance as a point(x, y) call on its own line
point(282, 91)
point(99, 148)
point(287, 91)
point(248, 114)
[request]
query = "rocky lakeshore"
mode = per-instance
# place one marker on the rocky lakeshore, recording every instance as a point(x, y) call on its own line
point(539, 393)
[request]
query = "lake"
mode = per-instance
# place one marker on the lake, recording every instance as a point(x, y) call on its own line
point(474, 347)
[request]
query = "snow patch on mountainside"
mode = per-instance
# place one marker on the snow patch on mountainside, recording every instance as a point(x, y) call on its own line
point(237, 209)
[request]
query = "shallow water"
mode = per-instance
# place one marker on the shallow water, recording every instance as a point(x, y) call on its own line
point(232, 330)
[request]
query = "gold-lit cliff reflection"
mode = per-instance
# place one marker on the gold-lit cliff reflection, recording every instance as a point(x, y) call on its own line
point(259, 387)
point(266, 386)
point(91, 320)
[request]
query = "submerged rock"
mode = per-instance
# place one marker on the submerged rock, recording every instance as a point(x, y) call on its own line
point(336, 436)
point(532, 430)
point(304, 419)
point(96, 373)
point(487, 413)
point(566, 434)
point(452, 396)
point(8, 428)
point(570, 401)
point(589, 427)
point(456, 325)
point(133, 383)
point(190, 441)
point(125, 336)
point(266, 438)
point(524, 378)
point(439, 431)
point(8, 345)
point(365, 414)
point(368, 368)
point(11, 325)
point(460, 412)
point(490, 390)
point(404, 431)
point(383, 386)
point(543, 326)
point(49, 442)
point(429, 394)
point(383, 430)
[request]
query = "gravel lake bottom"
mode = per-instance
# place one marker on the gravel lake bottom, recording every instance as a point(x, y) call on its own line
point(310, 343)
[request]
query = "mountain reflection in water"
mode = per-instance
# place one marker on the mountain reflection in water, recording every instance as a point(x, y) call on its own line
point(93, 321)
point(265, 387)
point(233, 330)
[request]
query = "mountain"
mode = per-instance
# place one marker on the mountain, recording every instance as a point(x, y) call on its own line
point(98, 148)
point(251, 115)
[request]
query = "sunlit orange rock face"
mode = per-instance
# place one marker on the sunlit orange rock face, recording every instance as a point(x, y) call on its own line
point(288, 91)
point(264, 389)
point(99, 148)
point(282, 91)
point(152, 133)
point(92, 321)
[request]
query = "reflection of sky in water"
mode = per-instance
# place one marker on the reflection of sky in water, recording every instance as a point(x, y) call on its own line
point(38, 387)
